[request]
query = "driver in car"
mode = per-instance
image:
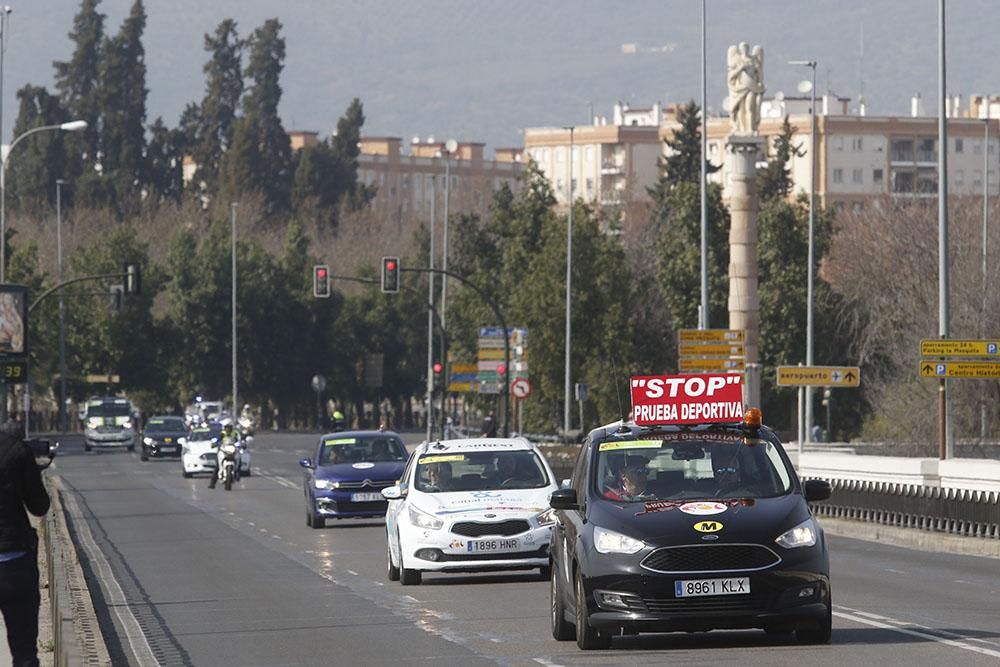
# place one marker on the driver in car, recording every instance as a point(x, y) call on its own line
point(633, 486)
point(439, 476)
point(726, 468)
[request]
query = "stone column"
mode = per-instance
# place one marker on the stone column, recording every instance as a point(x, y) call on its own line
point(744, 301)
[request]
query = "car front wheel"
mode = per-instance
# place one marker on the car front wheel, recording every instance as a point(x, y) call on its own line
point(562, 630)
point(817, 634)
point(391, 569)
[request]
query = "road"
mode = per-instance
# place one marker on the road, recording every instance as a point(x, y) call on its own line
point(185, 575)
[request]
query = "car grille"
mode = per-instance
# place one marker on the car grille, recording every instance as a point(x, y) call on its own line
point(210, 457)
point(479, 529)
point(369, 483)
point(108, 429)
point(708, 605)
point(711, 558)
point(375, 507)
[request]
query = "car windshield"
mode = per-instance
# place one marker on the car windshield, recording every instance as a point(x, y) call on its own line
point(361, 449)
point(689, 466)
point(200, 434)
point(480, 471)
point(165, 425)
point(108, 410)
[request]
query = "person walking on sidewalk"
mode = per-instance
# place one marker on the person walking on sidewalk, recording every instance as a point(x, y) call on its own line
point(20, 488)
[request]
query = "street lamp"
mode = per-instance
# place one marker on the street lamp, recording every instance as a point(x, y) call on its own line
point(811, 64)
point(62, 317)
point(71, 126)
point(569, 283)
point(986, 232)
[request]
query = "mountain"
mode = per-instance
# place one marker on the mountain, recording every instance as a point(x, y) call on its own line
point(483, 71)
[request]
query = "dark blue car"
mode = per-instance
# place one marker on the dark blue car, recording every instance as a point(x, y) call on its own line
point(345, 476)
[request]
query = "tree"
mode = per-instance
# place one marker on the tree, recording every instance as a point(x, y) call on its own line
point(775, 180)
point(345, 150)
point(41, 158)
point(123, 100)
point(165, 161)
point(78, 83)
point(683, 154)
point(213, 129)
point(260, 160)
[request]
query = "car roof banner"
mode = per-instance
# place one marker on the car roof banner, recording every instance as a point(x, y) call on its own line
point(711, 398)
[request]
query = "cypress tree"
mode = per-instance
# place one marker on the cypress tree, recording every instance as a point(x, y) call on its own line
point(77, 81)
point(41, 158)
point(775, 180)
point(260, 159)
point(216, 114)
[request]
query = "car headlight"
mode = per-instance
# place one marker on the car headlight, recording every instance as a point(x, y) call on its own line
point(147, 441)
point(93, 422)
point(182, 441)
point(127, 423)
point(424, 520)
point(325, 484)
point(802, 535)
point(610, 542)
point(546, 518)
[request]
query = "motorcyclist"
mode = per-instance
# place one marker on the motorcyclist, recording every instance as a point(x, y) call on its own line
point(227, 437)
point(339, 422)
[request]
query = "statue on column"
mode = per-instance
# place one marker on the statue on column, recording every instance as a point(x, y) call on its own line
point(746, 88)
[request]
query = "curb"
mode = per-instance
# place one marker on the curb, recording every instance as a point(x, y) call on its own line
point(912, 538)
point(76, 632)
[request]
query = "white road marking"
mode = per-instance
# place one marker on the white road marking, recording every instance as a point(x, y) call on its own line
point(352, 572)
point(547, 663)
point(134, 635)
point(961, 642)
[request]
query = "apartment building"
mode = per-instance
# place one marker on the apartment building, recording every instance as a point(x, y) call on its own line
point(406, 183)
point(858, 157)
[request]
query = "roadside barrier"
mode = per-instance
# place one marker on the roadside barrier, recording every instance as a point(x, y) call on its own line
point(954, 511)
point(76, 636)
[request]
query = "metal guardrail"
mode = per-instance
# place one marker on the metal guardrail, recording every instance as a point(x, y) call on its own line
point(952, 511)
point(76, 638)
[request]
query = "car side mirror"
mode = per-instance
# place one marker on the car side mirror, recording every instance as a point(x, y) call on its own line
point(816, 490)
point(394, 492)
point(306, 463)
point(563, 499)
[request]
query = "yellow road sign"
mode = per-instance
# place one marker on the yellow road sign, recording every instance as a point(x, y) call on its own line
point(712, 349)
point(710, 335)
point(819, 376)
point(943, 347)
point(463, 368)
point(930, 368)
point(687, 364)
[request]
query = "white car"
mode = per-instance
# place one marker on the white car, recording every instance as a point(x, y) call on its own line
point(470, 505)
point(201, 451)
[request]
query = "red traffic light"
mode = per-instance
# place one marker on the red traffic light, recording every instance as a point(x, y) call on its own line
point(501, 369)
point(390, 265)
point(437, 367)
point(321, 273)
point(321, 281)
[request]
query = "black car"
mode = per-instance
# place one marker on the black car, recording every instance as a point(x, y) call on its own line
point(674, 528)
point(163, 436)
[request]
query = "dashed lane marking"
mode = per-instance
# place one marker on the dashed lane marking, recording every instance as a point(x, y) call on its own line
point(902, 627)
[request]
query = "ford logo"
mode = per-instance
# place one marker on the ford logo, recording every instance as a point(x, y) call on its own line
point(490, 516)
point(709, 538)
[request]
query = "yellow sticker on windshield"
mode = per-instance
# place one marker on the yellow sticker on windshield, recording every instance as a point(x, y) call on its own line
point(341, 441)
point(631, 444)
point(441, 458)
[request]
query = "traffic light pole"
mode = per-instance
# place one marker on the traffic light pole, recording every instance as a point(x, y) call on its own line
point(506, 335)
point(55, 288)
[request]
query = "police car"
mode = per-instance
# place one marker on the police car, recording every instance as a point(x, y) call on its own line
point(689, 517)
point(469, 505)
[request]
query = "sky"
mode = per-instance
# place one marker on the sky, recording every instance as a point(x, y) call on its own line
point(483, 71)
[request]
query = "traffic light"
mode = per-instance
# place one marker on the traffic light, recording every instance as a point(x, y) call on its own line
point(390, 274)
point(321, 281)
point(133, 278)
point(438, 369)
point(501, 370)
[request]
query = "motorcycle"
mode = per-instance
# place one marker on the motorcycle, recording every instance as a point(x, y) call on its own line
point(229, 469)
point(246, 425)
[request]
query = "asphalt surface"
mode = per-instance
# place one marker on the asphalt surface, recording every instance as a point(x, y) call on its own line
point(185, 575)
